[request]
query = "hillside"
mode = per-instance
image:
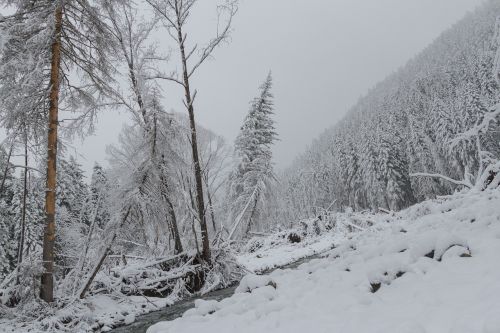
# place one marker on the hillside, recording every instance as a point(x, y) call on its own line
point(404, 125)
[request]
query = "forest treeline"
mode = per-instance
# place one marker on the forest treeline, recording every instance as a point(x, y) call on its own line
point(409, 123)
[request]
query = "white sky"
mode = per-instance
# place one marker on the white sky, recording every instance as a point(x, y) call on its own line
point(324, 55)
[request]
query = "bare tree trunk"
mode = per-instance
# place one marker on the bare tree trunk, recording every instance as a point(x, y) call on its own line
point(194, 146)
point(174, 229)
point(6, 169)
point(211, 207)
point(20, 248)
point(47, 285)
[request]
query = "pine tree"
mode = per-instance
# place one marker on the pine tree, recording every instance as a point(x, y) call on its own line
point(251, 181)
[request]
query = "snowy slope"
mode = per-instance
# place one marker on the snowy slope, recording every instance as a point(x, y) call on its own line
point(434, 267)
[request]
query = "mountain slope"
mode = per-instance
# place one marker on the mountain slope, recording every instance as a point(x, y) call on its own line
point(404, 125)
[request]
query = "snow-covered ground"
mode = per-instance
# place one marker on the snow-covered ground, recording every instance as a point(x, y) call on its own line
point(103, 312)
point(433, 268)
point(271, 256)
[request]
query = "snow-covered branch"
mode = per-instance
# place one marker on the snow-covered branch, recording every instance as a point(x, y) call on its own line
point(443, 177)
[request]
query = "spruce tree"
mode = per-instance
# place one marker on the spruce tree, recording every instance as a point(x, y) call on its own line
point(251, 180)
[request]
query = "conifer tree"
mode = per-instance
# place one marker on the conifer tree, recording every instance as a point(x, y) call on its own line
point(47, 43)
point(96, 206)
point(252, 179)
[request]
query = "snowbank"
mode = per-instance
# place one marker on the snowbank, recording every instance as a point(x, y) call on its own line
point(432, 268)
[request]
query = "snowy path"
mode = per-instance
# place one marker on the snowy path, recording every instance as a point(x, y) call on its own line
point(436, 264)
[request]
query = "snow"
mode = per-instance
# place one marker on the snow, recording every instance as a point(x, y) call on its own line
point(103, 312)
point(252, 281)
point(283, 253)
point(433, 267)
point(100, 312)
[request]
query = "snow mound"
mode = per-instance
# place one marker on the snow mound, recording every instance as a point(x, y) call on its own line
point(252, 281)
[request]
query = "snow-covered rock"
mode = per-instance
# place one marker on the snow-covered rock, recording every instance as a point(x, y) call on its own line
point(252, 281)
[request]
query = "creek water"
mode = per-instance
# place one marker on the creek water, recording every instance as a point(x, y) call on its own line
point(177, 310)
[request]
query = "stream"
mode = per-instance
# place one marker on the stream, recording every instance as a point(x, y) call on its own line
point(177, 310)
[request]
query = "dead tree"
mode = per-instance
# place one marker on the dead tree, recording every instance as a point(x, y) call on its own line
point(49, 236)
point(175, 14)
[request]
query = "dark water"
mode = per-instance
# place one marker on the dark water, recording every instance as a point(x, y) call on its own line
point(177, 310)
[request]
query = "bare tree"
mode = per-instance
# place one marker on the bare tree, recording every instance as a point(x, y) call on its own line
point(175, 15)
point(132, 36)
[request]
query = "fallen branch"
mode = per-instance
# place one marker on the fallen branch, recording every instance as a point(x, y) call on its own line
point(104, 255)
point(448, 179)
point(354, 226)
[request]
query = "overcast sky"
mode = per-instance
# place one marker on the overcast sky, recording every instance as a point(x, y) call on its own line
point(324, 54)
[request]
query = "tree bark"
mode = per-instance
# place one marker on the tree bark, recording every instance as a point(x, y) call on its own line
point(194, 147)
point(47, 285)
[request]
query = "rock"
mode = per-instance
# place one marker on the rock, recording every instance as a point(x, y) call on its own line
point(272, 284)
point(294, 238)
point(375, 286)
point(430, 254)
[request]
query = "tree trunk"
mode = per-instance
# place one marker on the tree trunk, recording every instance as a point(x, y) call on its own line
point(174, 229)
point(6, 169)
point(254, 209)
point(194, 147)
point(211, 207)
point(47, 285)
point(20, 248)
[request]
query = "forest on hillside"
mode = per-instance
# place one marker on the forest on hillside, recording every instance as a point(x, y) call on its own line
point(177, 200)
point(410, 123)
